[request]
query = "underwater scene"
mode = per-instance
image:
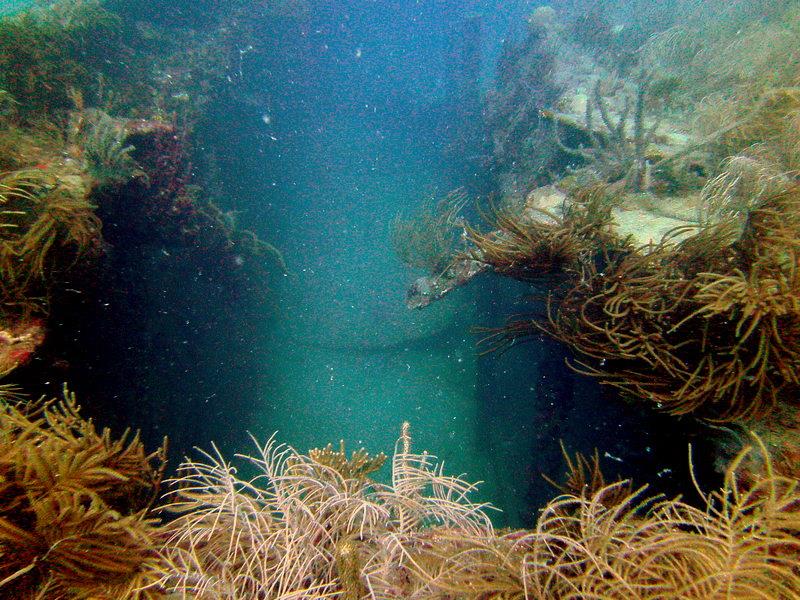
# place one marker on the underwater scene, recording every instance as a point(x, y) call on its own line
point(420, 299)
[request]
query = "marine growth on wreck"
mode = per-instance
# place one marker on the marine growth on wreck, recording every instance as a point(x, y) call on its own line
point(380, 231)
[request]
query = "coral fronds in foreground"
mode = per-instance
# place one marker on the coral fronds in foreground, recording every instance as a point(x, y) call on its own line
point(74, 506)
point(304, 528)
point(743, 543)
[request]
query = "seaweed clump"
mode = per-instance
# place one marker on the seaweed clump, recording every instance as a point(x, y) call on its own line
point(75, 505)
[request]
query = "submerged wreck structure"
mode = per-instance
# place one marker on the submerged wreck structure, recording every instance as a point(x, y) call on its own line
point(700, 319)
point(95, 161)
point(663, 212)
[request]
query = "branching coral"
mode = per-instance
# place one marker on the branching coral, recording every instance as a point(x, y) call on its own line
point(74, 506)
point(616, 153)
point(359, 465)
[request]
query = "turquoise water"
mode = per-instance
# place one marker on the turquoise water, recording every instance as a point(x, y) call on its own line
point(332, 122)
point(11, 6)
point(345, 359)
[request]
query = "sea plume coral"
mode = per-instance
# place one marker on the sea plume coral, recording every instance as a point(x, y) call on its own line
point(741, 543)
point(304, 527)
point(531, 243)
point(430, 238)
point(707, 321)
point(106, 154)
point(74, 506)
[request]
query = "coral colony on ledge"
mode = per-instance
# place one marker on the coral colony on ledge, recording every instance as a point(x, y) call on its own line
point(651, 183)
point(666, 209)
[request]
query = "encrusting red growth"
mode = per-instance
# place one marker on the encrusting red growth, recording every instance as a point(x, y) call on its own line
point(18, 341)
